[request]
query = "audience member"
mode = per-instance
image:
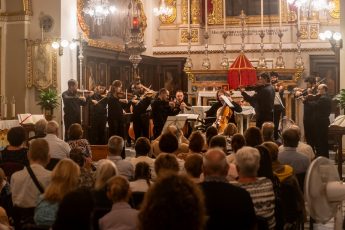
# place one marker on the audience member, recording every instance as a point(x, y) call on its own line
point(143, 149)
point(229, 132)
point(142, 178)
point(25, 191)
point(4, 220)
point(218, 141)
point(5, 193)
point(196, 145)
point(86, 178)
point(115, 148)
point(40, 130)
point(15, 152)
point(173, 202)
point(58, 148)
point(64, 179)
point(259, 188)
point(253, 137)
point(193, 167)
point(121, 216)
point(226, 204)
point(169, 144)
point(237, 142)
point(210, 132)
point(75, 139)
point(166, 162)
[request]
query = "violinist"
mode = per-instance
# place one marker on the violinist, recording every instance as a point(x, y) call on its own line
point(181, 106)
point(309, 115)
point(116, 107)
point(279, 108)
point(262, 100)
point(322, 105)
point(72, 103)
point(98, 115)
point(226, 113)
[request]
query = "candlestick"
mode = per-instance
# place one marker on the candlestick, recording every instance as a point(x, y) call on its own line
point(188, 16)
point(298, 18)
point(280, 14)
point(224, 15)
point(206, 16)
point(13, 107)
point(262, 14)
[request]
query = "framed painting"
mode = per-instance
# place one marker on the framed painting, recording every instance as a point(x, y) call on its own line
point(41, 64)
point(114, 31)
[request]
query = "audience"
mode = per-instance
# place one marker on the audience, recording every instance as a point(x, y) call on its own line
point(166, 162)
point(5, 193)
point(58, 148)
point(196, 145)
point(115, 148)
point(64, 179)
point(259, 188)
point(169, 144)
point(40, 130)
point(142, 178)
point(229, 132)
point(173, 202)
point(25, 192)
point(15, 152)
point(143, 149)
point(75, 139)
point(193, 167)
point(226, 204)
point(210, 132)
point(121, 216)
point(86, 178)
point(237, 142)
point(267, 130)
point(218, 141)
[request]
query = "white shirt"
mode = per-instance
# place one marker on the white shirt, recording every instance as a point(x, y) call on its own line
point(139, 185)
point(58, 148)
point(150, 161)
point(24, 191)
point(302, 148)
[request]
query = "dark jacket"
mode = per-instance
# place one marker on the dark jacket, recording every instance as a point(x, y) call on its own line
point(72, 105)
point(160, 111)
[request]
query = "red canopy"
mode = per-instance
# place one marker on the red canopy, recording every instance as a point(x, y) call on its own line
point(241, 73)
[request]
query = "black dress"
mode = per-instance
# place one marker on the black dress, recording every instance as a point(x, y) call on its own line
point(115, 116)
point(98, 119)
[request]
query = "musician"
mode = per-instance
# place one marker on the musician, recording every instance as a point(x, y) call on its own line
point(116, 107)
point(279, 108)
point(212, 112)
point(98, 115)
point(161, 109)
point(181, 106)
point(322, 105)
point(262, 100)
point(309, 118)
point(72, 103)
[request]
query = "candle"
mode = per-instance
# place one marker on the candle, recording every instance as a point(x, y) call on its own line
point(280, 14)
point(188, 16)
point(206, 16)
point(298, 19)
point(262, 14)
point(126, 95)
point(13, 107)
point(5, 108)
point(224, 15)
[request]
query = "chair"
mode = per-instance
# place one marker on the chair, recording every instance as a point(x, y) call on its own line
point(10, 168)
point(52, 163)
point(99, 152)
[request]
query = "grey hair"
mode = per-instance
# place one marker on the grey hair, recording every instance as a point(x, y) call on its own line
point(115, 144)
point(105, 170)
point(215, 166)
point(41, 126)
point(52, 127)
point(248, 161)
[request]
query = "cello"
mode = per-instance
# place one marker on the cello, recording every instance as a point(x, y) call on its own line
point(223, 114)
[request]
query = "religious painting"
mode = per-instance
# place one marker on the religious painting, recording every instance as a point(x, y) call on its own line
point(102, 73)
point(114, 30)
point(251, 7)
point(91, 69)
point(41, 64)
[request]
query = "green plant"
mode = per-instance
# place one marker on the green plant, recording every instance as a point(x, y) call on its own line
point(340, 98)
point(48, 99)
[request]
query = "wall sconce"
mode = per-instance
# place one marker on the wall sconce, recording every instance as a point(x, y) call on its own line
point(61, 44)
point(335, 39)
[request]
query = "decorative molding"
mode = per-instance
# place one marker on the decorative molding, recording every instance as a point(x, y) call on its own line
point(184, 35)
point(99, 43)
point(169, 19)
point(48, 59)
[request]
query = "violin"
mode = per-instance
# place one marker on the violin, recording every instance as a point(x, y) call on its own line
point(255, 87)
point(312, 97)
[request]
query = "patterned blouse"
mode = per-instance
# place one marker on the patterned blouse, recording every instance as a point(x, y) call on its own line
point(83, 144)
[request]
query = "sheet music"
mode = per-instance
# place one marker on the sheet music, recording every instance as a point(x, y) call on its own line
point(189, 116)
point(227, 101)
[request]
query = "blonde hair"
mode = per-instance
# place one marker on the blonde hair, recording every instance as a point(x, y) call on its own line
point(119, 188)
point(64, 179)
point(105, 170)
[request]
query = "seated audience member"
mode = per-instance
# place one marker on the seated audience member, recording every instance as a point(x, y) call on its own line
point(218, 141)
point(25, 192)
point(5, 193)
point(237, 142)
point(75, 211)
point(166, 162)
point(229, 132)
point(106, 169)
point(210, 132)
point(75, 139)
point(143, 149)
point(301, 147)
point(267, 130)
point(115, 148)
point(196, 145)
point(226, 204)
point(290, 156)
point(265, 165)
point(64, 178)
point(4, 221)
point(121, 216)
point(142, 178)
point(193, 167)
point(173, 202)
point(182, 141)
point(86, 178)
point(169, 144)
point(259, 188)
point(282, 171)
point(253, 137)
point(15, 152)
point(58, 148)
point(40, 130)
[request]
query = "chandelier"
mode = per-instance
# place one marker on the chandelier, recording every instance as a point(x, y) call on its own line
point(313, 5)
point(163, 10)
point(99, 10)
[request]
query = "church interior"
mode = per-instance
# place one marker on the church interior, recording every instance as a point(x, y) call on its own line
point(210, 51)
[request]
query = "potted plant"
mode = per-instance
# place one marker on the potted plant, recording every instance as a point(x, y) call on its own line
point(340, 98)
point(48, 102)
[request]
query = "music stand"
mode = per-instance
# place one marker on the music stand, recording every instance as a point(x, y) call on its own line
point(178, 121)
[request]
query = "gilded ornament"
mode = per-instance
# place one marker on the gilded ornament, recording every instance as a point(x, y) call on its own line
point(335, 12)
point(195, 35)
point(195, 8)
point(171, 18)
point(184, 12)
point(314, 31)
point(184, 36)
point(304, 31)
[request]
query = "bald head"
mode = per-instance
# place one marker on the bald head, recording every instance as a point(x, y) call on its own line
point(215, 163)
point(53, 127)
point(297, 128)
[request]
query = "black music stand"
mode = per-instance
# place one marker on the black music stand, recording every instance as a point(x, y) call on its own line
point(178, 121)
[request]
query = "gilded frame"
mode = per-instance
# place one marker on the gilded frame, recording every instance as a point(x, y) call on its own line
point(36, 61)
point(27, 10)
point(216, 17)
point(99, 43)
